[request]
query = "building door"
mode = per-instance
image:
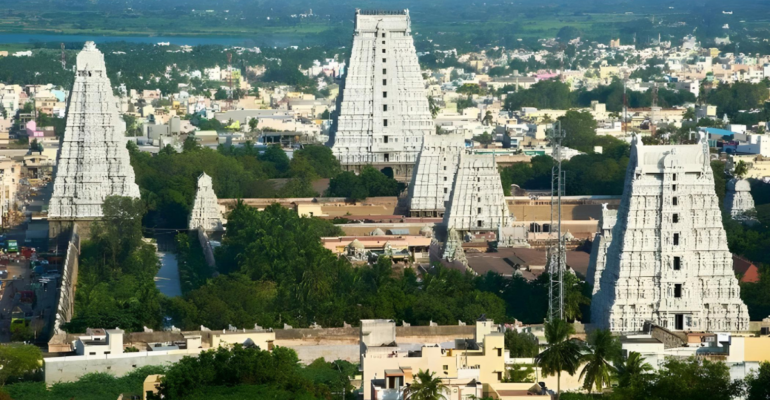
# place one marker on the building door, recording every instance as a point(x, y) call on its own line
point(679, 322)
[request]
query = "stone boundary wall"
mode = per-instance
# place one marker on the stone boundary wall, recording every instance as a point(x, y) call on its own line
point(208, 252)
point(66, 303)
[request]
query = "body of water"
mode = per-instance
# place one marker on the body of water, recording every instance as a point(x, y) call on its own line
point(178, 40)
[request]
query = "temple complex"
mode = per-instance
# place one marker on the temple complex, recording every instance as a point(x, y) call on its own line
point(384, 112)
point(738, 199)
point(434, 175)
point(93, 161)
point(668, 261)
point(205, 213)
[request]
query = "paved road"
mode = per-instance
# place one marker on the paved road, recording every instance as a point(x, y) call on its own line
point(167, 279)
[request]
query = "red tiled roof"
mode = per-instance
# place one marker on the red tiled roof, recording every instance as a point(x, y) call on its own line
point(746, 269)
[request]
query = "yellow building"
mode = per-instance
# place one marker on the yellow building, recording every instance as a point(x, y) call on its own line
point(469, 368)
point(151, 386)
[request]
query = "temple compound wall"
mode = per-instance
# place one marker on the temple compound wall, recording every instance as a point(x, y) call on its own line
point(599, 246)
point(93, 160)
point(668, 261)
point(384, 112)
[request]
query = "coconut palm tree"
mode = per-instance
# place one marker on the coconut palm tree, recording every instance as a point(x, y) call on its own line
point(633, 367)
point(562, 354)
point(598, 371)
point(426, 386)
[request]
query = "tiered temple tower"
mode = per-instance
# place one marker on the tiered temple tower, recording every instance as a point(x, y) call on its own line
point(93, 161)
point(738, 199)
point(477, 203)
point(668, 260)
point(384, 112)
point(205, 213)
point(434, 175)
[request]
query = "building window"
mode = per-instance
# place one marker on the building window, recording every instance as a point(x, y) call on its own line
point(675, 201)
point(446, 368)
point(383, 42)
point(479, 223)
point(478, 210)
point(387, 157)
point(676, 239)
point(383, 35)
point(677, 263)
point(384, 60)
point(678, 290)
point(673, 188)
point(384, 71)
point(384, 95)
point(444, 190)
point(92, 353)
point(384, 82)
point(675, 218)
point(499, 352)
point(445, 179)
point(383, 51)
point(384, 139)
point(479, 199)
point(384, 107)
point(673, 177)
point(445, 168)
point(384, 122)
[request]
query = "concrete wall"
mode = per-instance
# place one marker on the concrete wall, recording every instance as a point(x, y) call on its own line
point(68, 369)
point(66, 302)
point(208, 252)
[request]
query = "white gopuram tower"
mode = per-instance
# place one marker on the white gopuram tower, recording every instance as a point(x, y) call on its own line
point(738, 199)
point(93, 160)
point(477, 203)
point(384, 112)
point(205, 213)
point(434, 175)
point(668, 260)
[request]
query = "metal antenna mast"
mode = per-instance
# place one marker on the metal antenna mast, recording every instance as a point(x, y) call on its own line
point(556, 250)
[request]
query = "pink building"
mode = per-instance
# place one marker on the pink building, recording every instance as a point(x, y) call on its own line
point(32, 130)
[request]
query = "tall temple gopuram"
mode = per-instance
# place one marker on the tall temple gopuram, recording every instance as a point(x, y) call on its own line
point(668, 261)
point(93, 160)
point(384, 112)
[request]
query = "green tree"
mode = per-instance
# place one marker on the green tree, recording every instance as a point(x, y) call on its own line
point(484, 139)
point(426, 386)
point(488, 118)
point(562, 353)
point(253, 122)
point(19, 360)
point(275, 155)
point(632, 369)
point(741, 169)
point(521, 345)
point(36, 146)
point(758, 383)
point(580, 130)
point(320, 159)
point(574, 298)
point(597, 372)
